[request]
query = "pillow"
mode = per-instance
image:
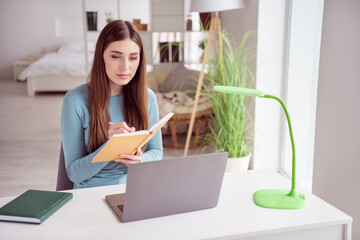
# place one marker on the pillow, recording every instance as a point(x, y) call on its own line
point(76, 47)
point(181, 79)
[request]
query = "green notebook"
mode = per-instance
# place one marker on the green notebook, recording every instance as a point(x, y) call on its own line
point(34, 206)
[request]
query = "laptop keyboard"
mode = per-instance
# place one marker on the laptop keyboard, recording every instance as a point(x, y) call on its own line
point(121, 207)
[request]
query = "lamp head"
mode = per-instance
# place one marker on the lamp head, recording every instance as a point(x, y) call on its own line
point(215, 5)
point(238, 90)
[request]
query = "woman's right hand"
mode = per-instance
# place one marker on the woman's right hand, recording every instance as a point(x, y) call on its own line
point(121, 127)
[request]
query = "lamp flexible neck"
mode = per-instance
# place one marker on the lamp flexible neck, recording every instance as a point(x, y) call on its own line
point(293, 182)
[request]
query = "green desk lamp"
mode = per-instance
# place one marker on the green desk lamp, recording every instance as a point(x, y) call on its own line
point(273, 198)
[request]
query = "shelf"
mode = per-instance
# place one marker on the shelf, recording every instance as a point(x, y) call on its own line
point(196, 31)
point(165, 17)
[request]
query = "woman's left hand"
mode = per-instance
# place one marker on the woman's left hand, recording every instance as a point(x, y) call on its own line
point(130, 159)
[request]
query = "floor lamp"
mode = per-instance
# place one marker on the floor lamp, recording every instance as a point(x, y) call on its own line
point(215, 26)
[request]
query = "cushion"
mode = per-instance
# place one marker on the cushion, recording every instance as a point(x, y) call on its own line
point(181, 79)
point(156, 78)
point(162, 75)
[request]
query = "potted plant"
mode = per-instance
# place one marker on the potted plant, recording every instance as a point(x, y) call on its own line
point(231, 124)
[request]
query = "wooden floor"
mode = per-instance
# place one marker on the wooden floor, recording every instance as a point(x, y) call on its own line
point(30, 139)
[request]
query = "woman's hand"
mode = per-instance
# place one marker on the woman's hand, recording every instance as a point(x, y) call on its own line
point(121, 127)
point(131, 159)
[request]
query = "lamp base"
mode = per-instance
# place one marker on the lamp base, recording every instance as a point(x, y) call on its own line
point(279, 199)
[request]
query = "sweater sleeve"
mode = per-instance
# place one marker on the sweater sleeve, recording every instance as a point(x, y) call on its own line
point(77, 161)
point(154, 148)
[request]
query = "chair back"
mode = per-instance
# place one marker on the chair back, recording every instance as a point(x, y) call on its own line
point(63, 181)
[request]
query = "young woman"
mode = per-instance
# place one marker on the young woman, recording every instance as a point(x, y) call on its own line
point(116, 100)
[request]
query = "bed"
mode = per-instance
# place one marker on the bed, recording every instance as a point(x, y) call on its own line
point(57, 71)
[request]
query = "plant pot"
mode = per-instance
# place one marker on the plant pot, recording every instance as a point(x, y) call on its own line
point(238, 164)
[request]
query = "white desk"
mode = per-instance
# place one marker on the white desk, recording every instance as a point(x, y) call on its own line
point(87, 216)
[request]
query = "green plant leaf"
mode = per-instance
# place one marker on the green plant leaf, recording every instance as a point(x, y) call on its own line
point(230, 127)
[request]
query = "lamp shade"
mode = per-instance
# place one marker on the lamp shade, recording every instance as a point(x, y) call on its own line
point(215, 5)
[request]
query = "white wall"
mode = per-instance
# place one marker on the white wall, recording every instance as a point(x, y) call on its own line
point(337, 156)
point(238, 22)
point(28, 27)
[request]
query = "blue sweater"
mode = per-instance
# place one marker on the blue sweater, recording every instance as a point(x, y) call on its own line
point(75, 119)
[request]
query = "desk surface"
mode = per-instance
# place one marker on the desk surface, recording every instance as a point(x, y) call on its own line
point(87, 215)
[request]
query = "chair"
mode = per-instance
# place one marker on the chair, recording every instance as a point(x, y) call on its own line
point(184, 119)
point(63, 181)
point(179, 79)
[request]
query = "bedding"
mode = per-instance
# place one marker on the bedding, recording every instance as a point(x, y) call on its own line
point(58, 71)
point(68, 60)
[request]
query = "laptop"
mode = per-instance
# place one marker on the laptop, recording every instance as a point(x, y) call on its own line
point(167, 187)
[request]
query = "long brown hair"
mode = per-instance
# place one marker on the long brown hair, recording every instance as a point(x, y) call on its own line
point(135, 92)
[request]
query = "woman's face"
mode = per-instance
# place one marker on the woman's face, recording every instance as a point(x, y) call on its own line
point(121, 59)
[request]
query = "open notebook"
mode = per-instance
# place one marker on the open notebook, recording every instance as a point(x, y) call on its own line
point(127, 143)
